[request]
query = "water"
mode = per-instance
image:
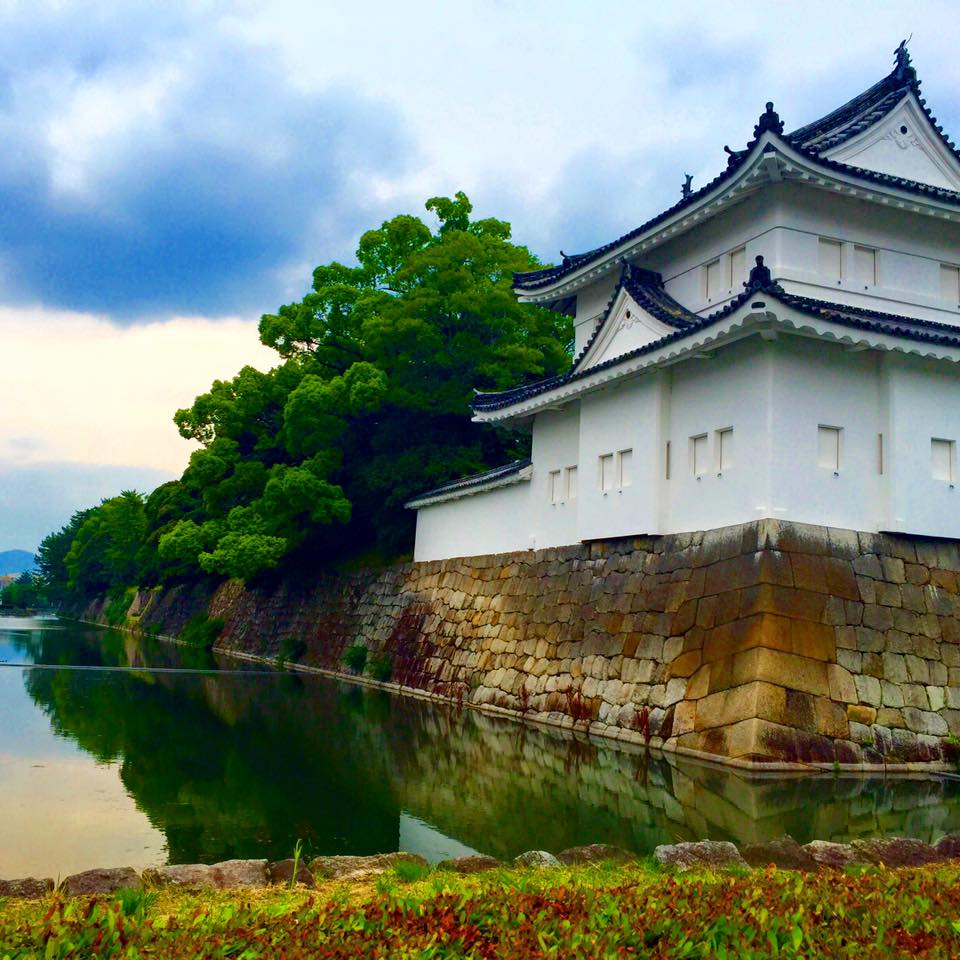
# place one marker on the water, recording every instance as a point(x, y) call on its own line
point(120, 752)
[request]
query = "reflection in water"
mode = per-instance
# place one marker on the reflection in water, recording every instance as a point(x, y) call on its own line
point(245, 762)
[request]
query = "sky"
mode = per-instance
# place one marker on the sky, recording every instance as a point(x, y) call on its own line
point(171, 171)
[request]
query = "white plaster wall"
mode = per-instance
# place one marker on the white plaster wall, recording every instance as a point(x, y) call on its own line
point(591, 302)
point(730, 389)
point(556, 446)
point(924, 403)
point(627, 416)
point(497, 521)
point(814, 384)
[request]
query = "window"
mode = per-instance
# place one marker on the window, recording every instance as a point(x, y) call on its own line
point(553, 484)
point(880, 453)
point(950, 284)
point(828, 259)
point(698, 455)
point(606, 472)
point(865, 265)
point(666, 459)
point(713, 279)
point(738, 268)
point(571, 483)
point(724, 449)
point(828, 448)
point(624, 468)
point(943, 455)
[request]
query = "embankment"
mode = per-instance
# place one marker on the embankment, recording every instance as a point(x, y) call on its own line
point(767, 643)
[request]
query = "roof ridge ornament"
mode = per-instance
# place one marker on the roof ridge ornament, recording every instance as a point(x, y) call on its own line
point(686, 189)
point(769, 120)
point(761, 279)
point(904, 65)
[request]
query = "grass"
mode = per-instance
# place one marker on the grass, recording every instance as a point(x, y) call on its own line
point(201, 631)
point(595, 912)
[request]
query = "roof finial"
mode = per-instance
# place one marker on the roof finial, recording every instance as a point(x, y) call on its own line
point(686, 189)
point(769, 120)
point(905, 70)
point(760, 277)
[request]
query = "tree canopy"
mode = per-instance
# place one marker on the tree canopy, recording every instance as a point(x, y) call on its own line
point(369, 404)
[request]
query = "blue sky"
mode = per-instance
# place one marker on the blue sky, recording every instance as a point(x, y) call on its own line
point(171, 171)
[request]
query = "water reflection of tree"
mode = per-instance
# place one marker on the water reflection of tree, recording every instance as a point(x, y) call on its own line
point(242, 765)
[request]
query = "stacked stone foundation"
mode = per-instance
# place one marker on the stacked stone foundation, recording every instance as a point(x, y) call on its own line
point(765, 643)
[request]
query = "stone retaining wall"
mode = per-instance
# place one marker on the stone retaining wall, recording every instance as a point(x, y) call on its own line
point(763, 643)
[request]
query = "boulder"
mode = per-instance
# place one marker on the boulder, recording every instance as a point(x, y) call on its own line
point(949, 846)
point(702, 853)
point(240, 873)
point(28, 888)
point(836, 855)
point(360, 868)
point(536, 859)
point(194, 875)
point(282, 872)
point(472, 863)
point(594, 853)
point(783, 852)
point(897, 852)
point(106, 880)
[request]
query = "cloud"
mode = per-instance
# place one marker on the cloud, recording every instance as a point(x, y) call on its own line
point(77, 388)
point(161, 163)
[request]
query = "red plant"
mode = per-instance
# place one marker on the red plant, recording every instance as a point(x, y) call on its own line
point(523, 695)
point(641, 721)
point(579, 708)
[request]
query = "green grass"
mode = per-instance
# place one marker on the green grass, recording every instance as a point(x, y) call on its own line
point(201, 631)
point(589, 912)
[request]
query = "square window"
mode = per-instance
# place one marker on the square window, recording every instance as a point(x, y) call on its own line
point(624, 468)
point(724, 449)
point(943, 456)
point(698, 455)
point(606, 472)
point(666, 458)
point(828, 448)
point(571, 483)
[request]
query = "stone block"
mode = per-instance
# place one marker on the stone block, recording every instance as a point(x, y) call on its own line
point(891, 694)
point(471, 863)
point(704, 853)
point(830, 719)
point(536, 860)
point(937, 697)
point(868, 690)
point(25, 888)
point(835, 855)
point(699, 684)
point(877, 617)
point(685, 665)
point(914, 695)
point(859, 713)
point(896, 851)
point(925, 722)
point(868, 566)
point(595, 853)
point(893, 569)
point(361, 868)
point(777, 667)
point(872, 665)
point(850, 660)
point(917, 668)
point(890, 717)
point(103, 880)
point(191, 875)
point(841, 684)
point(894, 667)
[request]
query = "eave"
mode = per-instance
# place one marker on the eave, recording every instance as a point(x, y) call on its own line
point(770, 160)
point(761, 313)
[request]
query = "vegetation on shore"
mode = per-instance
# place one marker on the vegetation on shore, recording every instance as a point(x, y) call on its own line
point(369, 404)
point(595, 912)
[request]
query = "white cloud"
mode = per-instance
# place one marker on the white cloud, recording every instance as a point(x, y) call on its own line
point(78, 388)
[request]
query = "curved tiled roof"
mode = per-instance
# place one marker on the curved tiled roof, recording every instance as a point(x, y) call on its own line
point(470, 484)
point(860, 318)
point(811, 141)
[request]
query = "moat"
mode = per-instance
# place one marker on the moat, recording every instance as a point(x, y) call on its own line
point(120, 751)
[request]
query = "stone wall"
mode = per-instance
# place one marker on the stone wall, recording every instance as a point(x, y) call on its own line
point(759, 644)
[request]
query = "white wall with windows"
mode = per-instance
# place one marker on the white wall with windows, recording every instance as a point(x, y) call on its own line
point(791, 428)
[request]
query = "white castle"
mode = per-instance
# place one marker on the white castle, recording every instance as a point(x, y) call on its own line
point(781, 343)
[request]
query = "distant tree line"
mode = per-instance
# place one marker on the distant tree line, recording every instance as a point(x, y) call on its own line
point(370, 404)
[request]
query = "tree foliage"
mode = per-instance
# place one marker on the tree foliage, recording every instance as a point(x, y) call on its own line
point(369, 404)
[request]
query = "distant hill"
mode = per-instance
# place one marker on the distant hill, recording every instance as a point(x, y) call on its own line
point(15, 561)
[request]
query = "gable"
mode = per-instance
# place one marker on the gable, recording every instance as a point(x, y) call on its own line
point(627, 327)
point(902, 144)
